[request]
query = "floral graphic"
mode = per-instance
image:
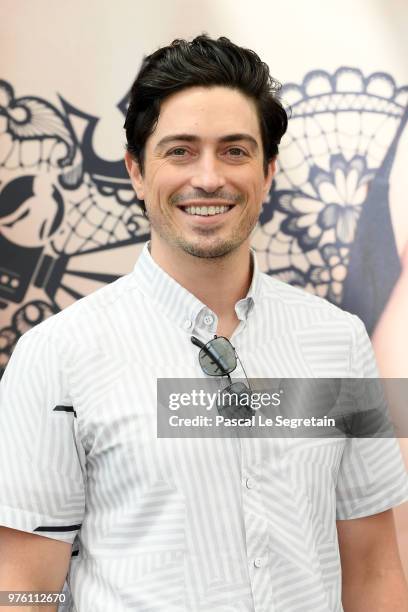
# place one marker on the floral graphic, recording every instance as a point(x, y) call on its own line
point(335, 206)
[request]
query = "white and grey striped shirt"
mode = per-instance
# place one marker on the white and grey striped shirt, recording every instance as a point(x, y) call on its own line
point(194, 524)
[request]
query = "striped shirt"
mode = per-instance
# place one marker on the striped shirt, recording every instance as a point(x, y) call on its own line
point(184, 524)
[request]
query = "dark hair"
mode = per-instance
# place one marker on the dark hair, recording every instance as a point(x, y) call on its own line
point(202, 62)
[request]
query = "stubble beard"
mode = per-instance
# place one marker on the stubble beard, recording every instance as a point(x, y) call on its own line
point(207, 249)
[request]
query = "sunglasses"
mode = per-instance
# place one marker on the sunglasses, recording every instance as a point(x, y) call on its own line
point(219, 358)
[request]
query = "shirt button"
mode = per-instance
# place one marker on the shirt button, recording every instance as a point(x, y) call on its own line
point(250, 483)
point(208, 319)
point(258, 562)
point(187, 324)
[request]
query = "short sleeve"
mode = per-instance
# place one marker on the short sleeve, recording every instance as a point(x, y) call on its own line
point(372, 477)
point(42, 461)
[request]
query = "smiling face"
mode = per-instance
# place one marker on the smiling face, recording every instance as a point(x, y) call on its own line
point(203, 183)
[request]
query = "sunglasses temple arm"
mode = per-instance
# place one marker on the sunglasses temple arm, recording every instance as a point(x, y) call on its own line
point(249, 384)
point(197, 342)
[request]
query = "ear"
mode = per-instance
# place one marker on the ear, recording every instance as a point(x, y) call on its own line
point(269, 178)
point(135, 175)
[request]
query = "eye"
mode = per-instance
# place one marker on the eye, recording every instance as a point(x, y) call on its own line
point(237, 152)
point(177, 152)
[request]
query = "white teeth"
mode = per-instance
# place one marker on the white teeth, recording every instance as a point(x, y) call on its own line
point(205, 211)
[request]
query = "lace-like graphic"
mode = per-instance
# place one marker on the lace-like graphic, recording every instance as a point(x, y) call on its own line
point(61, 207)
point(341, 129)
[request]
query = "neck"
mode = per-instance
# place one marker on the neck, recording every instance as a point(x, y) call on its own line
point(218, 282)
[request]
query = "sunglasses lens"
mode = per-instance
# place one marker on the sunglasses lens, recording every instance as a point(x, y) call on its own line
point(218, 357)
point(236, 401)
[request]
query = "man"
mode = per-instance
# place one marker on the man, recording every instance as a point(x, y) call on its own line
point(193, 524)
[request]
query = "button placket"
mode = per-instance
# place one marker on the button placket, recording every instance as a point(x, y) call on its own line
point(256, 526)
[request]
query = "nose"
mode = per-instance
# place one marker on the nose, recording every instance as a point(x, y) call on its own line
point(208, 173)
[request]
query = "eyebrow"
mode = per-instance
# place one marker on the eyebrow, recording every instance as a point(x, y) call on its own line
point(191, 138)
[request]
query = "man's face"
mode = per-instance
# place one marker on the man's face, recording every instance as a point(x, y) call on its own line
point(204, 182)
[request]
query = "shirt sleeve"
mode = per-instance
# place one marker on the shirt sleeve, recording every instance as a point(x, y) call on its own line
point(372, 477)
point(42, 461)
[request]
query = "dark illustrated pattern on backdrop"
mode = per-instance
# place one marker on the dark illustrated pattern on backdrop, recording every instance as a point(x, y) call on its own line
point(62, 205)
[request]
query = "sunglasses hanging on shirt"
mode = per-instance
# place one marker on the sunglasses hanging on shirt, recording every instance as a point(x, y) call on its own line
point(219, 358)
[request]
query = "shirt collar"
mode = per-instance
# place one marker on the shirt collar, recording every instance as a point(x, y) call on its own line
point(181, 306)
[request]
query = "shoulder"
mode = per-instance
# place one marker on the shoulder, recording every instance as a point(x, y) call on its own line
point(295, 299)
point(320, 328)
point(85, 318)
point(308, 315)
